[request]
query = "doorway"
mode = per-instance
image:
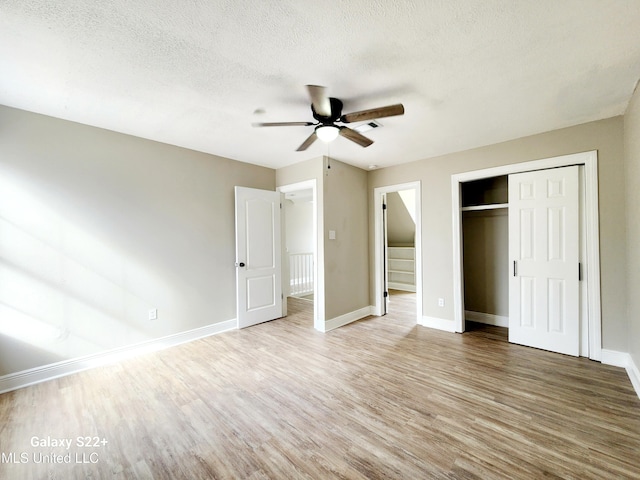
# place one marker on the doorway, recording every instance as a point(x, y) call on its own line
point(590, 306)
point(400, 243)
point(398, 259)
point(298, 215)
point(301, 270)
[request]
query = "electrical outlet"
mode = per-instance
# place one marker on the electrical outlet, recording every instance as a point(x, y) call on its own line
point(441, 302)
point(153, 314)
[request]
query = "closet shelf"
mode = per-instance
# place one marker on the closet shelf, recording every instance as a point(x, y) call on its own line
point(492, 206)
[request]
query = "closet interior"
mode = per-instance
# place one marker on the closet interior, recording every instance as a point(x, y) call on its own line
point(485, 232)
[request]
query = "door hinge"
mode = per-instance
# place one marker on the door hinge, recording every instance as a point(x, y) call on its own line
point(384, 206)
point(515, 268)
point(386, 294)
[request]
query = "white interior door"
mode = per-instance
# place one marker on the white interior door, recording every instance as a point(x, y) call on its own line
point(258, 256)
point(544, 253)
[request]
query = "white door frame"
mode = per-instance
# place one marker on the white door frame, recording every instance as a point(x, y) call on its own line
point(378, 193)
point(318, 253)
point(591, 270)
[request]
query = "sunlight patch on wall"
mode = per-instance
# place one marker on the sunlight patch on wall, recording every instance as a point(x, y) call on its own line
point(61, 289)
point(409, 199)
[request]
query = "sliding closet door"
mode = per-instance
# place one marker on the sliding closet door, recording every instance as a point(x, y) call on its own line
point(544, 249)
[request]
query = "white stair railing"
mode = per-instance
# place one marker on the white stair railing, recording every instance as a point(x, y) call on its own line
point(301, 273)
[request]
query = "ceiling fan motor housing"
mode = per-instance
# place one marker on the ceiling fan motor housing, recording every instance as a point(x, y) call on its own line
point(336, 112)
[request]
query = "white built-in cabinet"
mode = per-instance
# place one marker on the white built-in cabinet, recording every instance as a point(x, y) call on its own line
point(402, 268)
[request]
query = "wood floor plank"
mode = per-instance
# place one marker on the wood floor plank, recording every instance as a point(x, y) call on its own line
point(379, 398)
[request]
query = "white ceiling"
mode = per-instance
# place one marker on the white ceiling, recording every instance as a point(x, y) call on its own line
point(194, 73)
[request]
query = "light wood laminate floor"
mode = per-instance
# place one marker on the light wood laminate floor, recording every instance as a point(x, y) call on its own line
point(379, 398)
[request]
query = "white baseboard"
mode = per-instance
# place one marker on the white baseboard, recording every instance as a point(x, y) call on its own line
point(487, 318)
point(405, 287)
point(347, 318)
point(624, 360)
point(634, 375)
point(300, 294)
point(32, 376)
point(438, 323)
point(617, 359)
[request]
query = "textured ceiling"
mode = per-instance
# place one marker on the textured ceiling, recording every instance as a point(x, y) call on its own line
point(197, 73)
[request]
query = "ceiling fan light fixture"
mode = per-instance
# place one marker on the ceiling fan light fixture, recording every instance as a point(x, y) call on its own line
point(327, 133)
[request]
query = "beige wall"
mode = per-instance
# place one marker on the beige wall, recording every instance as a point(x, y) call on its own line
point(401, 229)
point(606, 136)
point(346, 257)
point(300, 172)
point(97, 227)
point(342, 207)
point(632, 175)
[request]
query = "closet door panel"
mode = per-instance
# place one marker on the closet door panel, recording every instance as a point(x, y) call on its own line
point(544, 249)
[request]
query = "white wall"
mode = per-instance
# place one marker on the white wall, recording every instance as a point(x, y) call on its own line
point(299, 226)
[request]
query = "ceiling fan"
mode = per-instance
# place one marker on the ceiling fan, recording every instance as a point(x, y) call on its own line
point(328, 111)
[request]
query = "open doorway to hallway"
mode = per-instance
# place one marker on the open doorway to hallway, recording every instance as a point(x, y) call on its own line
point(305, 238)
point(302, 262)
point(299, 240)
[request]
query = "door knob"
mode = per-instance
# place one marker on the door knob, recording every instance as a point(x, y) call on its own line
point(241, 264)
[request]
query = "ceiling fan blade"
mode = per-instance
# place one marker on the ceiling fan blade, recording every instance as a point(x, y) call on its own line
point(373, 113)
point(282, 124)
point(356, 137)
point(307, 143)
point(319, 100)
